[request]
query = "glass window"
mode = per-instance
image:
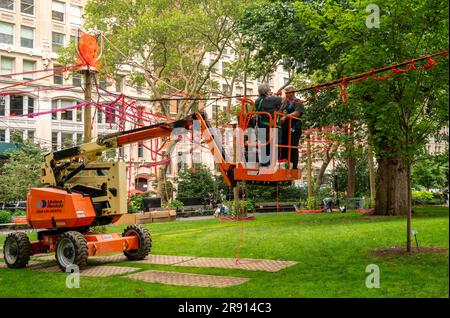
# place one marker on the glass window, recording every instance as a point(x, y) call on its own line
point(67, 139)
point(75, 15)
point(54, 140)
point(29, 66)
point(76, 79)
point(54, 108)
point(99, 117)
point(27, 6)
point(67, 114)
point(2, 135)
point(7, 65)
point(16, 105)
point(58, 11)
point(2, 105)
point(6, 33)
point(7, 4)
point(58, 40)
point(58, 77)
point(30, 105)
point(27, 37)
point(140, 150)
point(79, 112)
point(79, 138)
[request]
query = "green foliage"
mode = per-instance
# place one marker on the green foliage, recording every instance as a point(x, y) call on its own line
point(311, 203)
point(5, 217)
point(258, 193)
point(422, 195)
point(244, 207)
point(431, 173)
point(19, 213)
point(176, 204)
point(198, 183)
point(21, 171)
point(136, 203)
point(101, 229)
point(168, 37)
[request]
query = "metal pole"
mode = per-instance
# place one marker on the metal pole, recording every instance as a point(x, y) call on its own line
point(87, 108)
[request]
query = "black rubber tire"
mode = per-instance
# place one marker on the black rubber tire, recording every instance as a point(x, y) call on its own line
point(81, 249)
point(24, 250)
point(145, 242)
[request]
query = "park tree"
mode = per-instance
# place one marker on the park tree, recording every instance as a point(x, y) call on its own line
point(21, 171)
point(199, 182)
point(165, 44)
point(400, 113)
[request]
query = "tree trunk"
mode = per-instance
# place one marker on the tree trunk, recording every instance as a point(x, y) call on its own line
point(392, 187)
point(371, 174)
point(326, 161)
point(351, 176)
point(309, 169)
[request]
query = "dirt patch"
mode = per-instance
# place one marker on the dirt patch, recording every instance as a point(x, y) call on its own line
point(401, 251)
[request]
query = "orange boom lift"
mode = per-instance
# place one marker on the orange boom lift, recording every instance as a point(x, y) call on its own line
point(82, 192)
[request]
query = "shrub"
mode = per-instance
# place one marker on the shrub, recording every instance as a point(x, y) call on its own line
point(5, 217)
point(135, 204)
point(19, 213)
point(99, 229)
point(176, 204)
point(248, 205)
point(422, 196)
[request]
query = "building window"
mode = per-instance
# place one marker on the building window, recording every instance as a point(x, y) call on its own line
point(76, 79)
point(30, 135)
point(27, 6)
point(67, 139)
point(58, 77)
point(140, 150)
point(30, 105)
point(54, 108)
point(249, 92)
point(6, 33)
point(79, 138)
point(2, 105)
point(57, 11)
point(54, 140)
point(99, 117)
point(63, 103)
point(7, 65)
point(7, 4)
point(75, 15)
point(16, 105)
point(58, 40)
point(29, 66)
point(2, 135)
point(67, 114)
point(79, 112)
point(27, 37)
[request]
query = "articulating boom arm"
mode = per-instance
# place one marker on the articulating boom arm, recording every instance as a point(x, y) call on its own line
point(55, 163)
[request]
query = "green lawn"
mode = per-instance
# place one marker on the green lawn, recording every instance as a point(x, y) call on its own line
point(332, 250)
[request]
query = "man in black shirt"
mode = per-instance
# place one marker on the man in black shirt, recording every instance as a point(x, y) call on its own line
point(292, 107)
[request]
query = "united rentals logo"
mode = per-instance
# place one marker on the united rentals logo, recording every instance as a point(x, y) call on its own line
point(50, 206)
point(41, 204)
